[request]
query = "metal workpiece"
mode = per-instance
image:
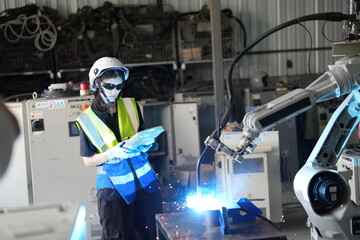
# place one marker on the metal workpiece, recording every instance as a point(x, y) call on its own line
point(191, 226)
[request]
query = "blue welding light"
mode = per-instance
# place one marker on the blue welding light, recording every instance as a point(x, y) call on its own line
point(203, 203)
point(207, 202)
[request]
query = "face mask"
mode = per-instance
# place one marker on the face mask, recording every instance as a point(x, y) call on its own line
point(112, 88)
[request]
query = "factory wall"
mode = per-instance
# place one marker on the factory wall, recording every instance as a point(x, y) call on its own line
point(284, 53)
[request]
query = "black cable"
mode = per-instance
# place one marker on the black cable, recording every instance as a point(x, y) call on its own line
point(198, 166)
point(323, 33)
point(229, 14)
point(262, 218)
point(310, 50)
point(267, 220)
point(330, 16)
point(242, 26)
point(18, 95)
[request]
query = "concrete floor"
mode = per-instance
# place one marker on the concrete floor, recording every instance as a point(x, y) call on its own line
point(294, 224)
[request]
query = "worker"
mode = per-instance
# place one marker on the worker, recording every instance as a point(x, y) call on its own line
point(9, 132)
point(127, 191)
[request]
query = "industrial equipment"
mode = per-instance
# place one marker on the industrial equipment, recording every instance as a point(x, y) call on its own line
point(288, 137)
point(58, 173)
point(46, 168)
point(186, 127)
point(190, 225)
point(323, 191)
point(257, 177)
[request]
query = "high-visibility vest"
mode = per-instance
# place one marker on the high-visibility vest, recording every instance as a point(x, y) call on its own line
point(120, 176)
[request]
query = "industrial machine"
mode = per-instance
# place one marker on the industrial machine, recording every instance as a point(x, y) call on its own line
point(323, 191)
point(192, 116)
point(57, 170)
point(46, 167)
point(257, 177)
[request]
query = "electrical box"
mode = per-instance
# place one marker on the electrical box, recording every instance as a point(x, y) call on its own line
point(186, 128)
point(194, 120)
point(350, 160)
point(57, 169)
point(257, 177)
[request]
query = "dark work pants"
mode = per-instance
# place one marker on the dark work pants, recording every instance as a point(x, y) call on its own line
point(120, 220)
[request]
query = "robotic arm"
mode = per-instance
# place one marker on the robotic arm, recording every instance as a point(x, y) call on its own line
point(341, 79)
point(323, 192)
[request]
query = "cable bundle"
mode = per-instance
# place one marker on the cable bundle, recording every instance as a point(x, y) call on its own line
point(37, 26)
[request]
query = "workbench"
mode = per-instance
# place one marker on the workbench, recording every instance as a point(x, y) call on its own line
point(190, 226)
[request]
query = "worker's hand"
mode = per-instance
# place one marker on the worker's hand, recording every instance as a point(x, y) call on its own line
point(119, 152)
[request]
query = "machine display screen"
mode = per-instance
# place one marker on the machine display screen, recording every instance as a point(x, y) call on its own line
point(73, 130)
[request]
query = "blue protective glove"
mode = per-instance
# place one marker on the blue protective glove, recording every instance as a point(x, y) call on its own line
point(119, 153)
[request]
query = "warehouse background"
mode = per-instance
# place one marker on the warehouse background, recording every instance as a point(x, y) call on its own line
point(166, 64)
point(257, 16)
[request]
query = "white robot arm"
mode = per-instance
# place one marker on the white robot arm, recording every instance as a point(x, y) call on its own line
point(323, 192)
point(341, 79)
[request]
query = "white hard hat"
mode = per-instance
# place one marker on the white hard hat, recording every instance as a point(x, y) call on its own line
point(103, 64)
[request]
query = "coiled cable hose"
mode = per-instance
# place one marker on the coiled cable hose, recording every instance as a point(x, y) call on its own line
point(36, 26)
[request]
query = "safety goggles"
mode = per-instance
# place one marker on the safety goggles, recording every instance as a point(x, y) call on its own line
point(111, 86)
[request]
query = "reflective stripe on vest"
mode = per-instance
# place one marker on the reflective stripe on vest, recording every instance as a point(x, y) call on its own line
point(143, 170)
point(128, 177)
point(128, 116)
point(91, 131)
point(117, 180)
point(100, 135)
